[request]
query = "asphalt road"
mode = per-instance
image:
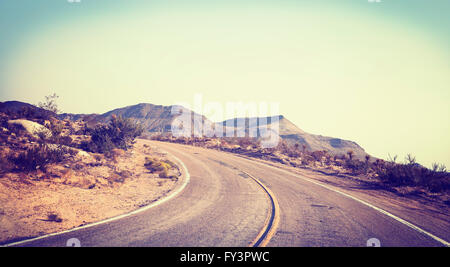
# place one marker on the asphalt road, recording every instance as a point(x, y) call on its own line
point(222, 205)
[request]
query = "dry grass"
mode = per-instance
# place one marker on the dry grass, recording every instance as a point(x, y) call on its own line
point(161, 167)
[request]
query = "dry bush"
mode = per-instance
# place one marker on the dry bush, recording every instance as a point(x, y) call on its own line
point(350, 154)
point(124, 174)
point(410, 173)
point(155, 165)
point(356, 166)
point(306, 159)
point(161, 167)
point(291, 151)
point(119, 133)
point(164, 174)
point(53, 217)
point(38, 157)
point(319, 155)
point(245, 142)
point(50, 103)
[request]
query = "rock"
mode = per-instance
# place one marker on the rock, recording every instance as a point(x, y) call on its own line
point(31, 127)
point(82, 153)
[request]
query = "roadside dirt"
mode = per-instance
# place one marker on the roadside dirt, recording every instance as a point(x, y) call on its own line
point(89, 190)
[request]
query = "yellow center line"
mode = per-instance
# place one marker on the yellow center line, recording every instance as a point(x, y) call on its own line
point(272, 221)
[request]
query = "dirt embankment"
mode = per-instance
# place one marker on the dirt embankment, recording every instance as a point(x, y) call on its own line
point(89, 189)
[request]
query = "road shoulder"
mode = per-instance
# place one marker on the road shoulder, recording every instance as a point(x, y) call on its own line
point(31, 208)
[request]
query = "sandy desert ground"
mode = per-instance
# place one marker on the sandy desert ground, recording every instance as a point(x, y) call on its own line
point(65, 198)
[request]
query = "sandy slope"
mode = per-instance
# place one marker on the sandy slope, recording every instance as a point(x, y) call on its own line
point(27, 200)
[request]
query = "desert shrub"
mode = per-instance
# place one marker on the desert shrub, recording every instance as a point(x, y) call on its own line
point(438, 182)
point(65, 140)
point(155, 165)
point(164, 174)
point(50, 103)
point(56, 128)
point(119, 133)
point(306, 158)
point(125, 174)
point(350, 154)
point(283, 147)
point(170, 163)
point(245, 142)
point(291, 151)
point(319, 155)
point(101, 141)
point(53, 217)
point(161, 167)
point(37, 157)
point(436, 167)
point(182, 140)
point(410, 173)
point(55, 137)
point(356, 166)
point(401, 174)
point(120, 176)
point(123, 132)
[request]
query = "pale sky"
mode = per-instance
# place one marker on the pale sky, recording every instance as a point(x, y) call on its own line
point(374, 73)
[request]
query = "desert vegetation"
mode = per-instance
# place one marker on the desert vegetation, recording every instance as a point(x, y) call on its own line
point(119, 133)
point(50, 103)
point(52, 169)
point(385, 173)
point(161, 167)
point(33, 138)
point(39, 156)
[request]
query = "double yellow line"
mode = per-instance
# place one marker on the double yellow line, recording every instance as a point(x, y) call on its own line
point(272, 221)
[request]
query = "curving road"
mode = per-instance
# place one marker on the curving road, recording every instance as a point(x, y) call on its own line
point(232, 201)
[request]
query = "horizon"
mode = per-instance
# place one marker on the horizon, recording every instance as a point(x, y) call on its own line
point(373, 73)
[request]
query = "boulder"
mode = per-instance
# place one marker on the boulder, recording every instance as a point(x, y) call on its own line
point(31, 127)
point(82, 153)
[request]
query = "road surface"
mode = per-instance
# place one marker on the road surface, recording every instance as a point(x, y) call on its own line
point(232, 201)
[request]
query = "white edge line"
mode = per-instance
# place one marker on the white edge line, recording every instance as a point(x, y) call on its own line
point(156, 203)
point(417, 228)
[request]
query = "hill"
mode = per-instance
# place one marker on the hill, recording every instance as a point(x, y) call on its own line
point(155, 119)
point(158, 119)
point(294, 135)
